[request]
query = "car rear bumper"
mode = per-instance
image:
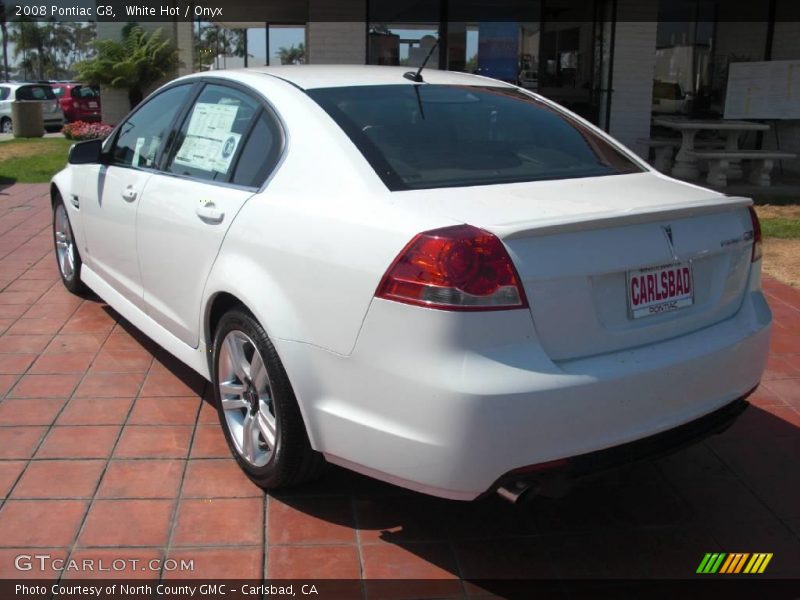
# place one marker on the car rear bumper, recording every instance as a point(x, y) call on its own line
point(576, 467)
point(442, 403)
point(87, 117)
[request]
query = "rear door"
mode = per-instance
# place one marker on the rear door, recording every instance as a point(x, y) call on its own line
point(109, 195)
point(44, 94)
point(227, 145)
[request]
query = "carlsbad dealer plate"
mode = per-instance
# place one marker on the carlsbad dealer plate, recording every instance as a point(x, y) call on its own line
point(657, 290)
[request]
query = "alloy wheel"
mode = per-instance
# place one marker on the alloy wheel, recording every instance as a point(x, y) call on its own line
point(246, 397)
point(65, 246)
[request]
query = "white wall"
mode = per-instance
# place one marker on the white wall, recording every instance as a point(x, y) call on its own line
point(337, 33)
point(632, 79)
point(336, 42)
point(785, 46)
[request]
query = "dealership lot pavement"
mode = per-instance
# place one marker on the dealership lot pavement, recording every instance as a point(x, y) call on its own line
point(110, 449)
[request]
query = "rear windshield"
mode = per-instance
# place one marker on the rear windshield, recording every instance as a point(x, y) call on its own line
point(85, 91)
point(35, 92)
point(428, 136)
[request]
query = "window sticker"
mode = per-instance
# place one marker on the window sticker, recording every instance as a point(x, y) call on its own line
point(152, 148)
point(209, 144)
point(137, 150)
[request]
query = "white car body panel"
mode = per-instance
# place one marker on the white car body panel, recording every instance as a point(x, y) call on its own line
point(438, 401)
point(168, 218)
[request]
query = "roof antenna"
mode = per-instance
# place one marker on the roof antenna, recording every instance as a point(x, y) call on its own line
point(417, 77)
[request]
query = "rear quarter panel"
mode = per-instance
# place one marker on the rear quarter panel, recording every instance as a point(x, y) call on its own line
point(307, 253)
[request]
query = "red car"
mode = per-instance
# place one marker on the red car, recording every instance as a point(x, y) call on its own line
point(79, 102)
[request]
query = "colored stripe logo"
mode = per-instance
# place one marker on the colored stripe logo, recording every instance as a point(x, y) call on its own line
point(734, 563)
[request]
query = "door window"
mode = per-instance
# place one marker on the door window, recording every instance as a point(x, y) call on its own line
point(142, 135)
point(213, 134)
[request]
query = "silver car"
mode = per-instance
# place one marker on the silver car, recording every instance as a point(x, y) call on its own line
point(27, 92)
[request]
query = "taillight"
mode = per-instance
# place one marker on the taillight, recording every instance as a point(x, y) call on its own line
point(75, 104)
point(454, 268)
point(756, 234)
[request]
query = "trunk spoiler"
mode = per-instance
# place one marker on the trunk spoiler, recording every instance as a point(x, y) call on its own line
point(602, 219)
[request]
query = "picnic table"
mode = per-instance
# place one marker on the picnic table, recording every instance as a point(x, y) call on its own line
point(685, 166)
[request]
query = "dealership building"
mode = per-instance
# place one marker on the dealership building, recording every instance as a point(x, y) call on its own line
point(618, 63)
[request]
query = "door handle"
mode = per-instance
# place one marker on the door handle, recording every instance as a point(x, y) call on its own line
point(210, 213)
point(129, 194)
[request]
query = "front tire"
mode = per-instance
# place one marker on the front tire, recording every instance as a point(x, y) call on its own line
point(257, 407)
point(67, 255)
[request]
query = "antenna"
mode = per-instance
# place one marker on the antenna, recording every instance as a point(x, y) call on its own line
point(417, 77)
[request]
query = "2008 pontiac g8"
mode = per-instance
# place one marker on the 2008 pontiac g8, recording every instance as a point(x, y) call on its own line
point(451, 284)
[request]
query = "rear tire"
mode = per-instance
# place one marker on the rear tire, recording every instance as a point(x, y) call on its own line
point(6, 125)
point(67, 256)
point(257, 407)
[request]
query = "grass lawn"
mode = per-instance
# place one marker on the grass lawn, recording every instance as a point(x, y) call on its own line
point(32, 160)
point(787, 229)
point(780, 225)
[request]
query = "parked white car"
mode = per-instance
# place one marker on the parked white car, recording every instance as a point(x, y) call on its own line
point(453, 285)
point(52, 114)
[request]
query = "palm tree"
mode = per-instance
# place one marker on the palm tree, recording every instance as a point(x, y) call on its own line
point(4, 32)
point(30, 41)
point(293, 55)
point(135, 63)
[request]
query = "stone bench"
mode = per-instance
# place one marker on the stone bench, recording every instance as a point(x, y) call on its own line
point(664, 148)
point(719, 162)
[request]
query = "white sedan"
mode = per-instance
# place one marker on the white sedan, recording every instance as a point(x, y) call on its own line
point(453, 284)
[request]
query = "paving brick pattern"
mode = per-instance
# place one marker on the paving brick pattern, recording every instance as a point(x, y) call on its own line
point(109, 449)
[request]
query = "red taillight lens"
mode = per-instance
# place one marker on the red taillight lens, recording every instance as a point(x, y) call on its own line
point(756, 234)
point(454, 268)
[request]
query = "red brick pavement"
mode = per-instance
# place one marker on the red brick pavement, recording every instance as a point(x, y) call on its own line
point(108, 450)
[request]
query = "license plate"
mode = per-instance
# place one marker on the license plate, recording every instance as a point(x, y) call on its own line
point(657, 290)
point(92, 104)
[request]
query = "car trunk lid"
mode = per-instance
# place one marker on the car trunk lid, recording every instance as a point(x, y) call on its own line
point(579, 244)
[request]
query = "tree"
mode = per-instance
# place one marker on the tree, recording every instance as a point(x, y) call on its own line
point(4, 32)
point(212, 41)
point(135, 63)
point(293, 55)
point(31, 42)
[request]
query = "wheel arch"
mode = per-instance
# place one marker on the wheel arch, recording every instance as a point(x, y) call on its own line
point(216, 306)
point(54, 193)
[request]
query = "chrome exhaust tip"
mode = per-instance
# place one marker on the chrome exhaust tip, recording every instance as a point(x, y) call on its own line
point(516, 491)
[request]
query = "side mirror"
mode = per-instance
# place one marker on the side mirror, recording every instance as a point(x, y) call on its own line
point(84, 153)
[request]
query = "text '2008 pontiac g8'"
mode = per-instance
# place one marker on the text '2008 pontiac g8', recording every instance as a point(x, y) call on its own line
point(440, 280)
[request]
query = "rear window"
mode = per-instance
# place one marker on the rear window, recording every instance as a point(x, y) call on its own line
point(84, 91)
point(3, 93)
point(428, 136)
point(35, 92)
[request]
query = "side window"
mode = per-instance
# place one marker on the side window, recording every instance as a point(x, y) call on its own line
point(4, 93)
point(212, 134)
point(35, 92)
point(141, 136)
point(260, 153)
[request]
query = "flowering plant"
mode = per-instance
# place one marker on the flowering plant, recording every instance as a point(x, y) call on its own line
point(79, 131)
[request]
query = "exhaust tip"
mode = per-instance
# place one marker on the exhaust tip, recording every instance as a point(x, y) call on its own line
point(516, 492)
